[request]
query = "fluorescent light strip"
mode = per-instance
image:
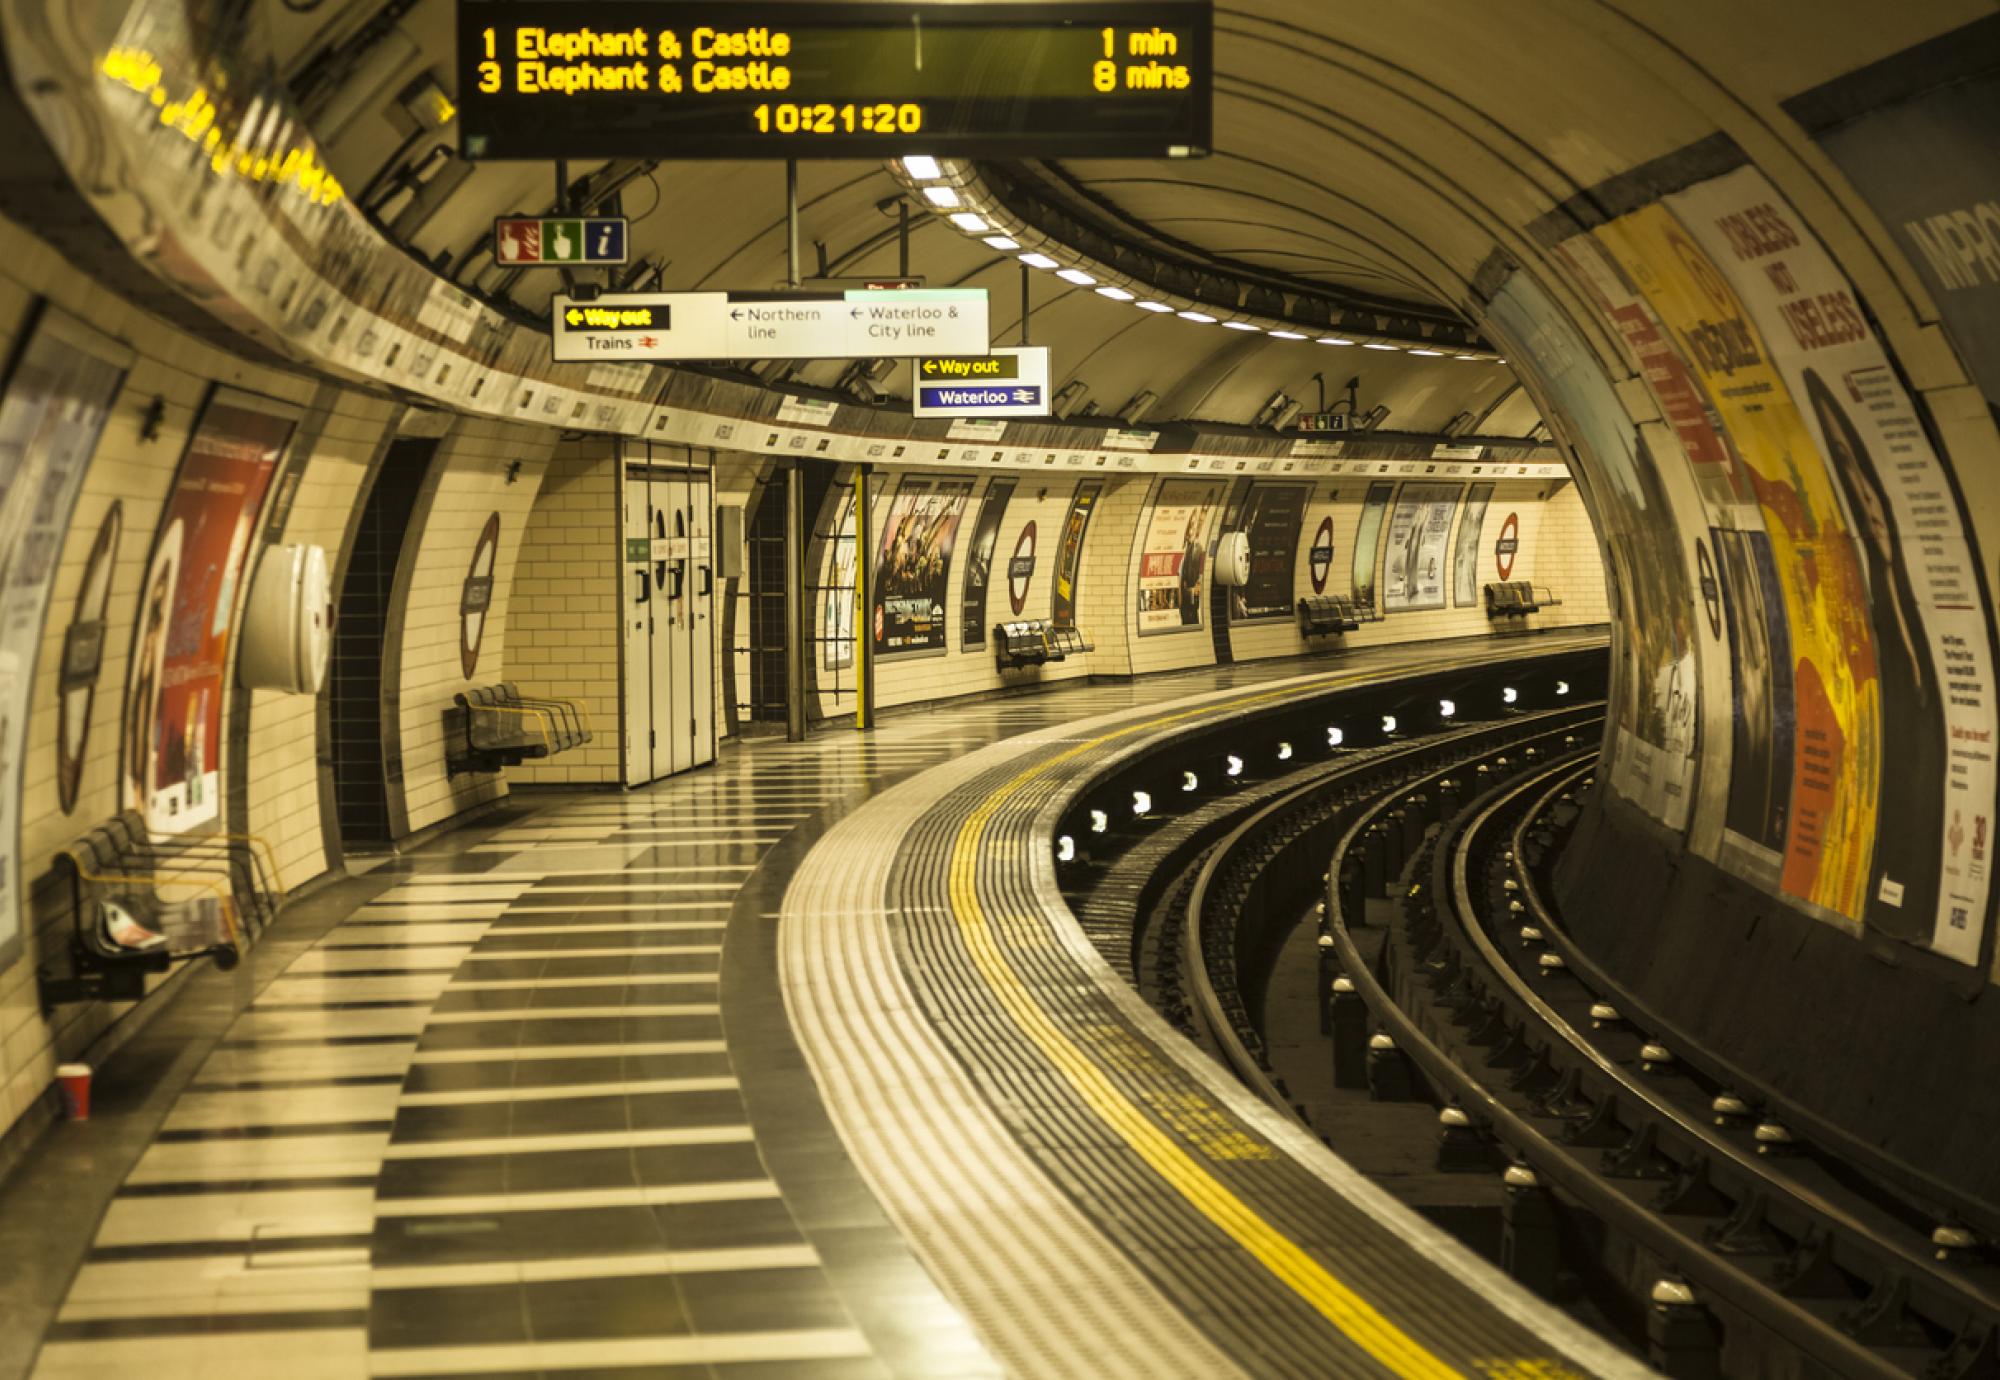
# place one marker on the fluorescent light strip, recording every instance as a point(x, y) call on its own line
point(1001, 242)
point(1155, 307)
point(970, 223)
point(1240, 326)
point(941, 196)
point(1077, 276)
point(1333, 340)
point(922, 168)
point(1039, 261)
point(1199, 318)
point(1376, 345)
point(1116, 294)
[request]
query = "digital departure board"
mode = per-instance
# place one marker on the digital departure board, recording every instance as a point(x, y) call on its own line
point(545, 79)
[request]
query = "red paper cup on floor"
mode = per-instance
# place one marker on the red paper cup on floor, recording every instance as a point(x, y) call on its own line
point(74, 1080)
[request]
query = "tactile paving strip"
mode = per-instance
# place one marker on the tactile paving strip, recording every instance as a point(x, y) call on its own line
point(1288, 1267)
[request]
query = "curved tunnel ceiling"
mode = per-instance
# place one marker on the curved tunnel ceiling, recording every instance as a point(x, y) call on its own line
point(1375, 152)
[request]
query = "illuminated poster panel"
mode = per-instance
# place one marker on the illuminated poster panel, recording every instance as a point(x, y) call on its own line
point(1368, 541)
point(1273, 516)
point(912, 577)
point(979, 563)
point(187, 611)
point(837, 614)
point(1932, 669)
point(1837, 708)
point(1173, 561)
point(1465, 591)
point(1069, 557)
point(61, 390)
point(541, 79)
point(1418, 533)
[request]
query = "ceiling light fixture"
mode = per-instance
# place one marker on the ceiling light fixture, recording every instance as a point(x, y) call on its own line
point(1155, 307)
point(1199, 318)
point(1116, 294)
point(1434, 354)
point(922, 168)
point(941, 196)
point(1001, 242)
point(1286, 335)
point(1240, 326)
point(1077, 276)
point(969, 222)
point(1378, 345)
point(1038, 261)
point(1333, 340)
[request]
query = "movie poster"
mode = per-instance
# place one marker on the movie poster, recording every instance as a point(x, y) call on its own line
point(1836, 693)
point(1761, 719)
point(1173, 562)
point(1465, 591)
point(1418, 533)
point(63, 385)
point(979, 562)
point(187, 611)
point(1932, 665)
point(1272, 518)
point(1368, 542)
point(1069, 556)
point(912, 578)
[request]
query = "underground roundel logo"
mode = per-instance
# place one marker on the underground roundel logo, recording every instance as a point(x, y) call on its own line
point(1711, 589)
point(476, 597)
point(1021, 570)
point(1510, 542)
point(1322, 554)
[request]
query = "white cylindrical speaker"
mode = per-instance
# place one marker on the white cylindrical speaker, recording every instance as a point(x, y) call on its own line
point(288, 622)
point(1232, 560)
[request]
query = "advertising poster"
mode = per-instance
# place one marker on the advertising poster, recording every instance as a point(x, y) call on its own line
point(913, 576)
point(1418, 533)
point(837, 613)
point(187, 611)
point(1761, 719)
point(979, 562)
point(1932, 663)
point(1368, 542)
point(1465, 591)
point(1272, 518)
point(1650, 585)
point(1943, 208)
point(1173, 562)
point(1069, 556)
point(1836, 764)
point(64, 382)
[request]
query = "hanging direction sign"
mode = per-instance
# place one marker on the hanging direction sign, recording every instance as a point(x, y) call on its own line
point(1006, 382)
point(769, 325)
point(560, 241)
point(540, 79)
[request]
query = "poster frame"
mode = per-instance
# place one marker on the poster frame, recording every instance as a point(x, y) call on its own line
point(44, 321)
point(224, 395)
point(1203, 583)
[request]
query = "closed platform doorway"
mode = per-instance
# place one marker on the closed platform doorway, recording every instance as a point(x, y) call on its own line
point(669, 601)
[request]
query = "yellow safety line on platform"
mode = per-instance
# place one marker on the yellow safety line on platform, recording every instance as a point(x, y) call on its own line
point(1359, 1320)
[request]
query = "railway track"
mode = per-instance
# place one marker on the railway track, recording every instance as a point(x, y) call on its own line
point(1742, 1248)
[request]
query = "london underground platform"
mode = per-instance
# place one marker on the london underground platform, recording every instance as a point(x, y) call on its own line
point(795, 1067)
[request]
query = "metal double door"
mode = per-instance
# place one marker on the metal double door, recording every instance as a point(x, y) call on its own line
point(668, 618)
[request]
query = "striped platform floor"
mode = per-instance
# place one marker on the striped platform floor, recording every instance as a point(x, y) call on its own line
point(491, 1126)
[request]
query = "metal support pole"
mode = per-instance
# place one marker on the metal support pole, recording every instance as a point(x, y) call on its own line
point(792, 222)
point(864, 623)
point(1025, 308)
point(795, 605)
point(903, 239)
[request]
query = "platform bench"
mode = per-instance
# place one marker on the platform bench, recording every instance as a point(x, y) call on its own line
point(1323, 615)
point(1036, 642)
point(140, 904)
point(499, 728)
point(1517, 599)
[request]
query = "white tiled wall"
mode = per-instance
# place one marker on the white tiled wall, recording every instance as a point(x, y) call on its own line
point(472, 477)
point(562, 616)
